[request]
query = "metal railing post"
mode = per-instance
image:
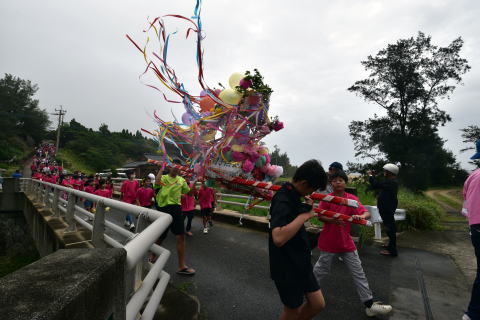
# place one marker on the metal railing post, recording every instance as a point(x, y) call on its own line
point(56, 211)
point(99, 226)
point(72, 199)
point(38, 192)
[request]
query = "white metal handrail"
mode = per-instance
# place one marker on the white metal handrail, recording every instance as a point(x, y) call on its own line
point(153, 223)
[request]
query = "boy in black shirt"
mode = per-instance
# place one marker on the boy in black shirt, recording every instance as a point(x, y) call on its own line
point(289, 250)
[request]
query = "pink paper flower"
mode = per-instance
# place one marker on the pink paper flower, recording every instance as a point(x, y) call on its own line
point(247, 166)
point(277, 125)
point(245, 83)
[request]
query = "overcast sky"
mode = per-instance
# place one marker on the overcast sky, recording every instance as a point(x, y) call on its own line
point(308, 51)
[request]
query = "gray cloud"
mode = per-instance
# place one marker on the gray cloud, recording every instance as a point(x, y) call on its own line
point(308, 51)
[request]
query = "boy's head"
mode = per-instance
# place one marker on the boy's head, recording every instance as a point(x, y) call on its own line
point(101, 184)
point(339, 181)
point(146, 182)
point(334, 167)
point(309, 177)
point(173, 170)
point(131, 175)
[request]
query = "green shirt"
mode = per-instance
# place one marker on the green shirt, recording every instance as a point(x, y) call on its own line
point(170, 190)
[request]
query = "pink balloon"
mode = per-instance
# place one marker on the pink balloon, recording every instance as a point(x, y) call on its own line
point(187, 119)
point(247, 166)
point(238, 156)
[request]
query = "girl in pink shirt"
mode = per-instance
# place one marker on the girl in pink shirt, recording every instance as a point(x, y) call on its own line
point(188, 207)
point(89, 188)
point(145, 194)
point(206, 199)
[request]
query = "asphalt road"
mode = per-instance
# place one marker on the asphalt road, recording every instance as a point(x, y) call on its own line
point(232, 280)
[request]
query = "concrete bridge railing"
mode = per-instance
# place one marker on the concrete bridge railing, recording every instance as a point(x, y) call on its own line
point(151, 224)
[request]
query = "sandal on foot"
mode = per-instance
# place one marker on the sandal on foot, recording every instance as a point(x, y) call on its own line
point(186, 271)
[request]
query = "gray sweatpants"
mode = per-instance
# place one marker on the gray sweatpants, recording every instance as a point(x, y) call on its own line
point(352, 260)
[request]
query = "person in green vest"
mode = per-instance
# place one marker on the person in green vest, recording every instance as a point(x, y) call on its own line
point(169, 189)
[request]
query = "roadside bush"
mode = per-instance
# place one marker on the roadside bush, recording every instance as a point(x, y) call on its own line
point(422, 212)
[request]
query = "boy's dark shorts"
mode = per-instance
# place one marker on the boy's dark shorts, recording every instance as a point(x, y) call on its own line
point(176, 227)
point(206, 212)
point(292, 293)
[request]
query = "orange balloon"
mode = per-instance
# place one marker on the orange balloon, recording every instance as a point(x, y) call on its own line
point(207, 104)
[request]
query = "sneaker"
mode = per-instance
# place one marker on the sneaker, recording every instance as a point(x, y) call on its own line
point(210, 223)
point(132, 228)
point(205, 230)
point(127, 223)
point(189, 233)
point(378, 309)
point(466, 317)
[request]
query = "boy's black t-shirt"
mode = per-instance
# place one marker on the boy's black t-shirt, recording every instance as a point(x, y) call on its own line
point(291, 262)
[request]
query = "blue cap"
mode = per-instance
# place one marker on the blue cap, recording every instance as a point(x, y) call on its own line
point(477, 155)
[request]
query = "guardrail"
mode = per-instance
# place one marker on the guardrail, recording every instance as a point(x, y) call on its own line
point(400, 214)
point(151, 224)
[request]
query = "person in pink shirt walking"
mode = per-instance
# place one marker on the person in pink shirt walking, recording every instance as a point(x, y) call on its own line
point(335, 240)
point(128, 192)
point(145, 194)
point(471, 209)
point(188, 208)
point(206, 199)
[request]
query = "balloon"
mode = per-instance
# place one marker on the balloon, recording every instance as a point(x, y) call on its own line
point(234, 79)
point(187, 119)
point(206, 104)
point(260, 162)
point(263, 151)
point(210, 183)
point(203, 93)
point(245, 84)
point(230, 96)
point(237, 148)
point(228, 155)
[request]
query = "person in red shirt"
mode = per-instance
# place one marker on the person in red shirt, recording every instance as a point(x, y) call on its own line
point(89, 188)
point(102, 191)
point(37, 175)
point(76, 182)
point(206, 199)
point(335, 240)
point(188, 207)
point(128, 192)
point(145, 194)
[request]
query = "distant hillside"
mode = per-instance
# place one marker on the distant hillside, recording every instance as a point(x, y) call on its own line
point(99, 150)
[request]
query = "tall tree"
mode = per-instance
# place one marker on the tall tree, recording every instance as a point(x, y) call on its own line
point(471, 135)
point(407, 79)
point(20, 115)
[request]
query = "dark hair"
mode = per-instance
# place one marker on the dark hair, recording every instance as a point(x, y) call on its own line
point(130, 173)
point(336, 165)
point(311, 171)
point(339, 174)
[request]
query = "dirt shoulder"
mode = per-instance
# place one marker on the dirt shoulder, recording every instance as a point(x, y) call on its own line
point(453, 239)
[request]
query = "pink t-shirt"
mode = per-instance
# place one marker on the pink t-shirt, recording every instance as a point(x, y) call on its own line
point(89, 189)
point(144, 196)
point(103, 193)
point(129, 189)
point(188, 203)
point(206, 197)
point(37, 176)
point(471, 194)
point(335, 238)
point(77, 184)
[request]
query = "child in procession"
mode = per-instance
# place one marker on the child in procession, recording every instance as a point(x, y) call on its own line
point(288, 244)
point(128, 192)
point(145, 194)
point(188, 207)
point(335, 240)
point(206, 199)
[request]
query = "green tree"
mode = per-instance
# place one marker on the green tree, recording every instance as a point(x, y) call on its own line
point(282, 159)
point(20, 116)
point(406, 80)
point(471, 135)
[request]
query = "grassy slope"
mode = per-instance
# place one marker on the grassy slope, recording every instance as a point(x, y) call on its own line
point(71, 163)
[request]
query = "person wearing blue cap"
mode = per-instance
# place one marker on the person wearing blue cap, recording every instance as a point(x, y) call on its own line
point(333, 168)
point(471, 209)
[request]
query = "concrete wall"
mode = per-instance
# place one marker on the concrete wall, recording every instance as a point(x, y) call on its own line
point(74, 284)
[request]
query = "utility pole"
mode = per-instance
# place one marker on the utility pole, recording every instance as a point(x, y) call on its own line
point(60, 113)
